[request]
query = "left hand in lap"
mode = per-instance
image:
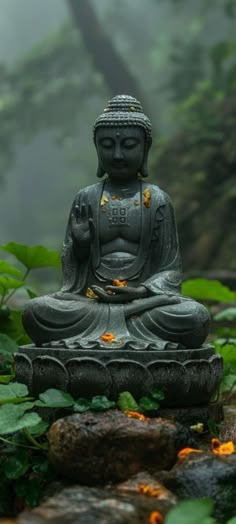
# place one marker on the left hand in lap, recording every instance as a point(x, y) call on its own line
point(120, 295)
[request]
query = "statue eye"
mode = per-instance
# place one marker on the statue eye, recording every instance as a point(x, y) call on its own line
point(107, 143)
point(130, 143)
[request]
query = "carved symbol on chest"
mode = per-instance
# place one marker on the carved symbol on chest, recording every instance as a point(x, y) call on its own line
point(118, 216)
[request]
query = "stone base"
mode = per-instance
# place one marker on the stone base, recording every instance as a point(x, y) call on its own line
point(186, 377)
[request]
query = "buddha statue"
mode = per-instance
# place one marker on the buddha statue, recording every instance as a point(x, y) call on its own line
point(121, 260)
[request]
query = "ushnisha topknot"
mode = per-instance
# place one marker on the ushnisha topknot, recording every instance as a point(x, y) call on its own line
point(124, 110)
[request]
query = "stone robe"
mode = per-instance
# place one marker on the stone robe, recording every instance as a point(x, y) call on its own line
point(70, 319)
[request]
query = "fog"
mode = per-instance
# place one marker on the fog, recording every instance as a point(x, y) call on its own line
point(52, 153)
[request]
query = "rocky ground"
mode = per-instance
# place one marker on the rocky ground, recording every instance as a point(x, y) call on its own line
point(119, 469)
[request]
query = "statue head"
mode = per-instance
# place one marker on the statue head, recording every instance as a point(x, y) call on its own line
point(122, 136)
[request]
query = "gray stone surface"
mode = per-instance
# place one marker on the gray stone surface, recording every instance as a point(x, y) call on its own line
point(96, 448)
point(82, 505)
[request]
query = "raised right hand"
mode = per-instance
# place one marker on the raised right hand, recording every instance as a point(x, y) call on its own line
point(82, 225)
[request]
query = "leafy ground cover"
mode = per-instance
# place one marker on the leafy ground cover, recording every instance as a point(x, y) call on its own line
point(24, 466)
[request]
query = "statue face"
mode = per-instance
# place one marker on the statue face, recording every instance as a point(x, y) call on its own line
point(120, 150)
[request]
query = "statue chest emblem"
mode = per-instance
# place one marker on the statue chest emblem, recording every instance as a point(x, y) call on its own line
point(120, 212)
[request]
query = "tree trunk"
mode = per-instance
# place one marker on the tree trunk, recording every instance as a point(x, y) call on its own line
point(106, 58)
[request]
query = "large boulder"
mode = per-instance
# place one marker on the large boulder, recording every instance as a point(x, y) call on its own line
point(96, 448)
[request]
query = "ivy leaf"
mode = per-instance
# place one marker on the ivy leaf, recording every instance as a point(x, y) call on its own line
point(13, 418)
point(41, 464)
point(99, 403)
point(33, 257)
point(30, 292)
point(14, 328)
point(17, 465)
point(54, 398)
point(8, 269)
point(8, 283)
point(7, 347)
point(228, 352)
point(192, 512)
point(82, 404)
point(157, 394)
point(126, 402)
point(30, 490)
point(40, 429)
point(148, 404)
point(13, 392)
point(227, 314)
point(203, 289)
point(6, 379)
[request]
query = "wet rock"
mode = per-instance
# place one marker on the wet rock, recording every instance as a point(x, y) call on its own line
point(205, 475)
point(149, 485)
point(96, 448)
point(83, 505)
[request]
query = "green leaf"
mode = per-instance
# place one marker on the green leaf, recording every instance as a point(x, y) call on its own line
point(13, 327)
point(12, 392)
point(228, 352)
point(157, 394)
point(232, 521)
point(13, 418)
point(17, 465)
point(40, 429)
point(30, 292)
point(8, 283)
point(192, 512)
point(8, 269)
point(7, 347)
point(99, 403)
point(6, 379)
point(33, 257)
point(227, 314)
point(148, 404)
point(30, 490)
point(41, 464)
point(54, 398)
point(82, 404)
point(203, 289)
point(126, 402)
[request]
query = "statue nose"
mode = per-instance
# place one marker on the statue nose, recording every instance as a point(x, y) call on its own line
point(118, 154)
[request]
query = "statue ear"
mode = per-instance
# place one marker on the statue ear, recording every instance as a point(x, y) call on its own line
point(100, 171)
point(144, 167)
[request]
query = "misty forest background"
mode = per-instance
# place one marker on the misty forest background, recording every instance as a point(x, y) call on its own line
point(61, 60)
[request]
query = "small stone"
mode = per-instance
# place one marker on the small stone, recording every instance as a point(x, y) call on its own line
point(96, 448)
point(80, 505)
point(205, 475)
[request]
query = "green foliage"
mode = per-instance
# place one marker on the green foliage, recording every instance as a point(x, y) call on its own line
point(204, 289)
point(126, 401)
point(227, 314)
point(13, 393)
point(12, 279)
point(32, 257)
point(54, 398)
point(192, 512)
point(14, 417)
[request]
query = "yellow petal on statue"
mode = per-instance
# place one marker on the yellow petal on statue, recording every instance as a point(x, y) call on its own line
point(147, 197)
point(104, 201)
point(89, 293)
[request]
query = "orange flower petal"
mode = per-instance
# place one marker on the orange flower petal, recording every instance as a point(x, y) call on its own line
point(226, 448)
point(187, 451)
point(156, 518)
point(135, 414)
point(119, 283)
point(108, 337)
